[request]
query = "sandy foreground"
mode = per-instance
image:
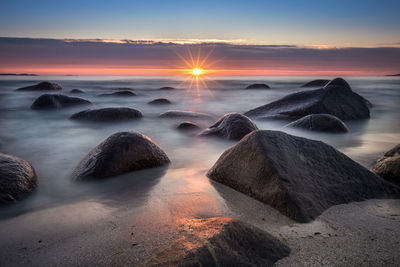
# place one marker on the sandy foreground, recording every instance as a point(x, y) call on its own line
point(134, 223)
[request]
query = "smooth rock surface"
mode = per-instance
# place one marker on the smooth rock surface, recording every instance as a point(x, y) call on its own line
point(185, 114)
point(160, 101)
point(388, 167)
point(119, 93)
point(336, 98)
point(76, 91)
point(120, 153)
point(316, 83)
point(108, 114)
point(187, 126)
point(220, 241)
point(320, 123)
point(232, 126)
point(258, 86)
point(167, 88)
point(51, 101)
point(42, 86)
point(17, 179)
point(299, 177)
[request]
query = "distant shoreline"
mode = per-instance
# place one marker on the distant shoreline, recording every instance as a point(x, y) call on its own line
point(17, 74)
point(393, 74)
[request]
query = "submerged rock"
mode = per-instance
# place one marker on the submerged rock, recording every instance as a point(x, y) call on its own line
point(220, 242)
point(258, 86)
point(17, 178)
point(297, 176)
point(167, 88)
point(320, 123)
point(185, 114)
point(316, 83)
point(119, 93)
point(336, 98)
point(108, 114)
point(49, 101)
point(76, 91)
point(120, 153)
point(160, 101)
point(388, 167)
point(232, 126)
point(42, 86)
point(188, 126)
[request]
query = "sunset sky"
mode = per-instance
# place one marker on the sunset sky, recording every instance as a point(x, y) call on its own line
point(243, 37)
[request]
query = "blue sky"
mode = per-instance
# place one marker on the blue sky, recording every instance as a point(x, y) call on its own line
point(336, 23)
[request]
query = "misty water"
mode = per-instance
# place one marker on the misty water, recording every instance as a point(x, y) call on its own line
point(54, 144)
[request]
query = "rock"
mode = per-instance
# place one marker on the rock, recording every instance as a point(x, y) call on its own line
point(119, 93)
point(388, 167)
point(76, 91)
point(258, 86)
point(108, 114)
point(120, 153)
point(17, 179)
point(297, 176)
point(167, 88)
point(187, 126)
point(185, 114)
point(320, 123)
point(316, 83)
point(232, 126)
point(160, 101)
point(336, 99)
point(42, 86)
point(219, 242)
point(49, 101)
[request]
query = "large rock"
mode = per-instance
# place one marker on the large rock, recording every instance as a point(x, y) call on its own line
point(17, 179)
point(258, 86)
point(336, 98)
point(320, 123)
point(49, 101)
point(219, 242)
point(232, 126)
point(297, 176)
point(119, 93)
point(316, 83)
point(388, 167)
point(108, 114)
point(42, 86)
point(185, 114)
point(160, 101)
point(120, 153)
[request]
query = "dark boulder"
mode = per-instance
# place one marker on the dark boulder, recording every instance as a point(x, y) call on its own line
point(219, 242)
point(17, 179)
point(108, 114)
point(320, 123)
point(120, 153)
point(297, 176)
point(160, 101)
point(232, 126)
point(167, 88)
point(388, 167)
point(258, 86)
point(188, 126)
point(76, 91)
point(185, 114)
point(316, 83)
point(336, 98)
point(42, 86)
point(49, 101)
point(119, 93)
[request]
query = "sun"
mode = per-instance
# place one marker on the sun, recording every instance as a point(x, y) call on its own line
point(197, 71)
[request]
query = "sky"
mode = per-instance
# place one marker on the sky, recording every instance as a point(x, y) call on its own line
point(359, 37)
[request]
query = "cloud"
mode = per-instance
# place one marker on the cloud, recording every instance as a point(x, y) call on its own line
point(30, 53)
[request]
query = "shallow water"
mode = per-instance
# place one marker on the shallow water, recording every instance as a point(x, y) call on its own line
point(55, 145)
